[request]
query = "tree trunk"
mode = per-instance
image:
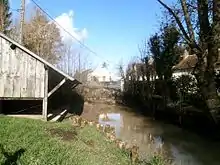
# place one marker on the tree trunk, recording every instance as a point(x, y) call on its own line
point(206, 81)
point(211, 98)
point(213, 43)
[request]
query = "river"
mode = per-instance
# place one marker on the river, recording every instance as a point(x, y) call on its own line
point(184, 147)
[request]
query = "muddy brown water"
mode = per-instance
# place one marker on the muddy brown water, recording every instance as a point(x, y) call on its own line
point(184, 147)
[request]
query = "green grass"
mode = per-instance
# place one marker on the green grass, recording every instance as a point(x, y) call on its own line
point(47, 143)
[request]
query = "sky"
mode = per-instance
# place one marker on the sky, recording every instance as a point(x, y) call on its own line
point(111, 28)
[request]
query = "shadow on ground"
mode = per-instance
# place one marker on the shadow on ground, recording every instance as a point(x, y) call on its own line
point(11, 158)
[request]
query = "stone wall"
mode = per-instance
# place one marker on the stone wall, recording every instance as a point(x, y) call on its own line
point(98, 94)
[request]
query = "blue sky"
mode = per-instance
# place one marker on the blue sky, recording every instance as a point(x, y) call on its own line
point(114, 27)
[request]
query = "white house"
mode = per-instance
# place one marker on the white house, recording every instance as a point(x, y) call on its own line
point(185, 67)
point(187, 64)
point(100, 74)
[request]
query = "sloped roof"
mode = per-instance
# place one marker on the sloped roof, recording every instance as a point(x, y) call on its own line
point(188, 62)
point(101, 71)
point(37, 57)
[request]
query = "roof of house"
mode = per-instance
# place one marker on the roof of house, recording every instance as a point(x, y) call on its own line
point(188, 62)
point(101, 71)
point(37, 57)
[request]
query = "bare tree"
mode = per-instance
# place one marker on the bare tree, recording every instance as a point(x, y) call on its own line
point(14, 32)
point(43, 37)
point(121, 71)
point(5, 16)
point(204, 41)
point(69, 58)
point(144, 59)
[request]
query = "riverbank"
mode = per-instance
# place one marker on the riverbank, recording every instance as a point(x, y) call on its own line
point(186, 117)
point(37, 142)
point(184, 147)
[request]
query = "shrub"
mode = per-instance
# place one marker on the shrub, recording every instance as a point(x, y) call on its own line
point(188, 91)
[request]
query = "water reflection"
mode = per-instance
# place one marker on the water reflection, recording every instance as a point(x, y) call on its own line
point(183, 146)
point(135, 132)
point(114, 121)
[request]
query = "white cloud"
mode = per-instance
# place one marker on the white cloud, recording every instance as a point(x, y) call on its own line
point(66, 20)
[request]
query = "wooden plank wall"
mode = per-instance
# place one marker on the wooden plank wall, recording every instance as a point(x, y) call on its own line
point(21, 75)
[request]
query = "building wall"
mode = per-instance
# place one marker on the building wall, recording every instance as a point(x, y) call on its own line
point(101, 74)
point(178, 74)
point(21, 75)
point(104, 78)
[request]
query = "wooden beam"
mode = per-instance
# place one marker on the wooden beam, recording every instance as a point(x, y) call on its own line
point(61, 115)
point(21, 98)
point(45, 94)
point(75, 84)
point(57, 87)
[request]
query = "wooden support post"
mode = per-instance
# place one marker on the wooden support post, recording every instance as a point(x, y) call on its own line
point(74, 86)
point(45, 94)
point(76, 83)
point(56, 87)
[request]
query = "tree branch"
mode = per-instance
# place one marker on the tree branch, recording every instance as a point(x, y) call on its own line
point(187, 19)
point(191, 43)
point(177, 20)
point(203, 17)
point(191, 6)
point(216, 22)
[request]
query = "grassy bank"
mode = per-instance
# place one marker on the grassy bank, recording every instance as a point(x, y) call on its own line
point(34, 142)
